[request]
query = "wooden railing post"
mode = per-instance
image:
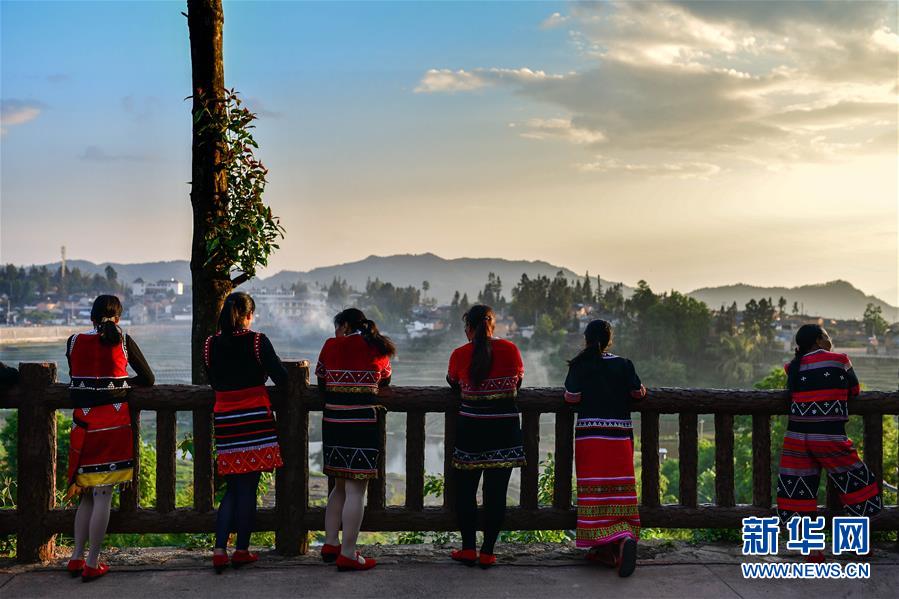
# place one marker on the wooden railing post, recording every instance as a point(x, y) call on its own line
point(415, 460)
point(204, 480)
point(649, 458)
point(761, 460)
point(292, 480)
point(688, 451)
point(530, 431)
point(449, 473)
point(724, 460)
point(130, 495)
point(36, 476)
point(377, 488)
point(563, 459)
point(166, 440)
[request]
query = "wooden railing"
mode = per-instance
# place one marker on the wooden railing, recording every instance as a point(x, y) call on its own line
point(37, 519)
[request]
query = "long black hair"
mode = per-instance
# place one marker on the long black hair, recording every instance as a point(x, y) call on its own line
point(481, 320)
point(236, 308)
point(597, 338)
point(355, 320)
point(806, 338)
point(105, 310)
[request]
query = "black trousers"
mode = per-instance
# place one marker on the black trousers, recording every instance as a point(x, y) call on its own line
point(237, 512)
point(496, 484)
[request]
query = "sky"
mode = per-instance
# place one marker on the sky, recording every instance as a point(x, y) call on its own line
point(689, 144)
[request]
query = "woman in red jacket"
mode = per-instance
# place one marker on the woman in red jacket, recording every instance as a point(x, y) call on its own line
point(352, 367)
point(487, 373)
point(101, 448)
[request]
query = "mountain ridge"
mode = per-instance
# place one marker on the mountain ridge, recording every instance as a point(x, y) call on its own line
point(833, 299)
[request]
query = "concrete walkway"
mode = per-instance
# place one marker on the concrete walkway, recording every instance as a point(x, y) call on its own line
point(449, 580)
point(696, 573)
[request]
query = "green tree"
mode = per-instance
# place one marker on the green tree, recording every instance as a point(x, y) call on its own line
point(338, 293)
point(875, 323)
point(233, 230)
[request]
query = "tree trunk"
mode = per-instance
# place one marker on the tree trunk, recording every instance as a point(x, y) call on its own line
point(211, 282)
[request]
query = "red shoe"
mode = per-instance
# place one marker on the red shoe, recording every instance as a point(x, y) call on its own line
point(330, 553)
point(486, 560)
point(602, 554)
point(627, 557)
point(469, 557)
point(74, 567)
point(242, 558)
point(88, 574)
point(219, 562)
point(345, 564)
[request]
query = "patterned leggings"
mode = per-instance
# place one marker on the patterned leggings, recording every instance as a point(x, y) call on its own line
point(804, 454)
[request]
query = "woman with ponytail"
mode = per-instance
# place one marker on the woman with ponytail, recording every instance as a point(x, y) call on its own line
point(101, 446)
point(600, 386)
point(487, 373)
point(238, 362)
point(821, 383)
point(352, 367)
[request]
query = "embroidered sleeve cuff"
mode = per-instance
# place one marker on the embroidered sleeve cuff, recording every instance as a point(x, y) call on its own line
point(320, 370)
point(639, 393)
point(572, 397)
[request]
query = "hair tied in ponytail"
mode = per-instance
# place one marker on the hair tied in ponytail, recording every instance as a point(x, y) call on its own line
point(597, 339)
point(355, 321)
point(806, 339)
point(480, 322)
point(104, 312)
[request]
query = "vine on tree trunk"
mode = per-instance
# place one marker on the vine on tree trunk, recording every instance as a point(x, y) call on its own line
point(245, 233)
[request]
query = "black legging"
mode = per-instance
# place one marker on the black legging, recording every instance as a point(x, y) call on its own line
point(496, 483)
point(237, 511)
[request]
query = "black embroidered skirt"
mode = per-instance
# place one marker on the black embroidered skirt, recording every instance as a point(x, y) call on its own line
point(350, 438)
point(488, 435)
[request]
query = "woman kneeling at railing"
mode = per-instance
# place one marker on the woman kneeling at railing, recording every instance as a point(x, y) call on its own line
point(101, 451)
point(601, 385)
point(238, 361)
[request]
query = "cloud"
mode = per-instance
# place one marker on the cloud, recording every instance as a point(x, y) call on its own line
point(446, 80)
point(98, 154)
point(751, 82)
point(554, 20)
point(674, 170)
point(559, 128)
point(15, 112)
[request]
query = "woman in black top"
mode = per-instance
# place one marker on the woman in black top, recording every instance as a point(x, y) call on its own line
point(601, 386)
point(238, 362)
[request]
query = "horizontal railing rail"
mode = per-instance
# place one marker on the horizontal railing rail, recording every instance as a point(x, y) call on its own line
point(37, 518)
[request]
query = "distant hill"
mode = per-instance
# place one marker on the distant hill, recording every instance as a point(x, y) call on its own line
point(467, 275)
point(836, 299)
point(148, 271)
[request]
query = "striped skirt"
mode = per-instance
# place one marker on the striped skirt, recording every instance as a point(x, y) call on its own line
point(101, 450)
point(606, 487)
point(246, 439)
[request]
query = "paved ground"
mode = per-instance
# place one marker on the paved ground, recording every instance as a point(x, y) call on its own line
point(668, 571)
